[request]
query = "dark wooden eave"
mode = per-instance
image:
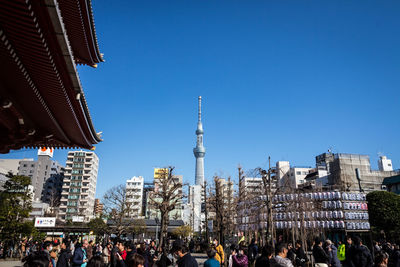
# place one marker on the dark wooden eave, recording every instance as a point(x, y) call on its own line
point(79, 23)
point(41, 98)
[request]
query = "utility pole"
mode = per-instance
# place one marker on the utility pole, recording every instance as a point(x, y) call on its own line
point(242, 200)
point(205, 210)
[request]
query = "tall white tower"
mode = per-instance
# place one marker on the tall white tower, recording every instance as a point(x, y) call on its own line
point(199, 151)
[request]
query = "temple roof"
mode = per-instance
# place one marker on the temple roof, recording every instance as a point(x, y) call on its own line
point(42, 102)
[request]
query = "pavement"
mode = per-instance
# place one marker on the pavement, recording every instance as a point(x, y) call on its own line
point(200, 257)
point(10, 263)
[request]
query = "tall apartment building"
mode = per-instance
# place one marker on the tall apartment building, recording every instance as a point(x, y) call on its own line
point(250, 189)
point(79, 186)
point(98, 208)
point(134, 196)
point(40, 171)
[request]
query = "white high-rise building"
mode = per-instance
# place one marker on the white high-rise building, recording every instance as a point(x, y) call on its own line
point(134, 196)
point(194, 203)
point(79, 186)
point(385, 164)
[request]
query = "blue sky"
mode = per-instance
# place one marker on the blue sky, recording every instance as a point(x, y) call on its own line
point(288, 79)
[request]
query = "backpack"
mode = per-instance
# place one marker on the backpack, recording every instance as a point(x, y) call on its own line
point(252, 253)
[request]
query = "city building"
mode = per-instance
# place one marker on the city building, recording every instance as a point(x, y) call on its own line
point(39, 209)
point(98, 208)
point(148, 188)
point(194, 207)
point(40, 172)
point(134, 196)
point(392, 184)
point(251, 189)
point(79, 186)
point(352, 172)
point(10, 165)
point(151, 211)
point(385, 164)
point(290, 176)
point(316, 178)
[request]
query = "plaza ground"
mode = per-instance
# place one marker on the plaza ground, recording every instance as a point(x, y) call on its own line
point(200, 257)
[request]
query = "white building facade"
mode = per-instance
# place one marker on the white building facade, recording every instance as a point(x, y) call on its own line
point(79, 186)
point(134, 196)
point(385, 164)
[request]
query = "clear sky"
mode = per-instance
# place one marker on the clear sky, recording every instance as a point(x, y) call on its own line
point(288, 79)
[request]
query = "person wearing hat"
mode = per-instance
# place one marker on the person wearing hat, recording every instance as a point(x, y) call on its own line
point(181, 252)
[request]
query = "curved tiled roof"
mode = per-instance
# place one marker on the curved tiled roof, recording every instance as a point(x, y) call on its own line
point(42, 101)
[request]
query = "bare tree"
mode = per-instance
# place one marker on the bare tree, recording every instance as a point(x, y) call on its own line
point(166, 197)
point(118, 209)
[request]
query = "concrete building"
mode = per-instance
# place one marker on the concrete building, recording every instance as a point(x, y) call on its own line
point(194, 206)
point(290, 176)
point(39, 209)
point(385, 164)
point(40, 171)
point(297, 176)
point(392, 184)
point(79, 187)
point(151, 211)
point(352, 172)
point(98, 208)
point(134, 196)
point(250, 191)
point(282, 172)
point(148, 188)
point(10, 165)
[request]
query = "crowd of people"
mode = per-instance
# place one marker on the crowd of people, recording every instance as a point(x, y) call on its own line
point(119, 253)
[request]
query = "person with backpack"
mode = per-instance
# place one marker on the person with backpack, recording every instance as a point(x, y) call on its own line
point(252, 252)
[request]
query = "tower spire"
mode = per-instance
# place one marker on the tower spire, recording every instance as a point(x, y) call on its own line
point(199, 108)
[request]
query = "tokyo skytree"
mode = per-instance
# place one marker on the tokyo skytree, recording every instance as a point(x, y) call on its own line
point(199, 151)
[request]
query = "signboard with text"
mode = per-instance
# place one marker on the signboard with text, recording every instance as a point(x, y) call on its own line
point(45, 222)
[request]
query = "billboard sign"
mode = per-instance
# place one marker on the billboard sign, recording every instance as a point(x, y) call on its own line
point(45, 221)
point(78, 218)
point(160, 173)
point(45, 151)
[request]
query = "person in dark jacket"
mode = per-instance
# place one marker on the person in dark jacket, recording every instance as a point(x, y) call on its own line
point(348, 252)
point(89, 250)
point(331, 250)
point(162, 258)
point(80, 259)
point(181, 251)
point(301, 257)
point(252, 252)
point(65, 255)
point(360, 255)
point(320, 257)
point(266, 255)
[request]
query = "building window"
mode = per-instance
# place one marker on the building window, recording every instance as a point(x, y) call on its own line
point(298, 173)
